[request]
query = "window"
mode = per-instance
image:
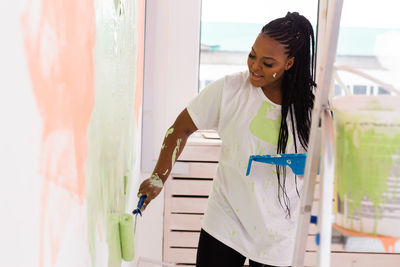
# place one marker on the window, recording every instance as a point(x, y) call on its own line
point(368, 42)
point(227, 37)
point(360, 89)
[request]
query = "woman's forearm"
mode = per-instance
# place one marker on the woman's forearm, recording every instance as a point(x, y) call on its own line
point(174, 142)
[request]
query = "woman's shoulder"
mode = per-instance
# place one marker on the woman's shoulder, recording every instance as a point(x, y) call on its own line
point(236, 80)
point(241, 75)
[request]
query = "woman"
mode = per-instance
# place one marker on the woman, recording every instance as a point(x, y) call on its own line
point(265, 110)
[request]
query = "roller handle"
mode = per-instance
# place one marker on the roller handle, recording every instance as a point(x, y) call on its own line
point(138, 210)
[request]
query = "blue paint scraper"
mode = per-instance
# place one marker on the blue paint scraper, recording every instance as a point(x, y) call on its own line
point(296, 161)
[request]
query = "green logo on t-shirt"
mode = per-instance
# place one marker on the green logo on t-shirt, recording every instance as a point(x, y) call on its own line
point(267, 129)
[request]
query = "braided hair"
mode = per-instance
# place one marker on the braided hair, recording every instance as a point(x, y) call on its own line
point(296, 34)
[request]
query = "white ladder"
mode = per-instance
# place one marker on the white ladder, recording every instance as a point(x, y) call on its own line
point(320, 147)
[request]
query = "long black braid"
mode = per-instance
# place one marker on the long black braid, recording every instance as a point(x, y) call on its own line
point(296, 33)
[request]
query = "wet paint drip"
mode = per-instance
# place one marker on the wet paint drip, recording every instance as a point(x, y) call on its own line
point(365, 157)
point(176, 149)
point(156, 181)
point(170, 131)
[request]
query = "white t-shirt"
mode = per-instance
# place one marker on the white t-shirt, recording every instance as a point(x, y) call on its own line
point(243, 211)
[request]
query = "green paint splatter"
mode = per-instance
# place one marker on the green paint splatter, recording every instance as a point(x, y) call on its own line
point(375, 105)
point(364, 160)
point(252, 186)
point(233, 233)
point(176, 149)
point(156, 181)
point(170, 131)
point(265, 128)
point(267, 184)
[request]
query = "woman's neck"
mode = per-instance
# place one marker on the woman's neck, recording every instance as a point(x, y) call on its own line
point(274, 92)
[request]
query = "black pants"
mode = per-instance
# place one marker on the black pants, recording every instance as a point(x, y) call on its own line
point(213, 253)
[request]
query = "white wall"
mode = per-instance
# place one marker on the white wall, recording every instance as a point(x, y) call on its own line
point(170, 81)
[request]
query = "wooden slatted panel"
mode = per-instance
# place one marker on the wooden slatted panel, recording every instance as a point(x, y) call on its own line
point(183, 239)
point(186, 193)
point(185, 222)
point(188, 187)
point(188, 205)
point(181, 255)
point(200, 153)
point(196, 170)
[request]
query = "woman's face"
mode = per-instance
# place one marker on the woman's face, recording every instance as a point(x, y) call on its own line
point(266, 58)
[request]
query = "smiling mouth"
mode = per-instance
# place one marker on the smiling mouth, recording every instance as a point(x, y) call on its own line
point(255, 76)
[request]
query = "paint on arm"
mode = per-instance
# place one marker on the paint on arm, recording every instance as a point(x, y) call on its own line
point(174, 142)
point(156, 181)
point(176, 150)
point(170, 131)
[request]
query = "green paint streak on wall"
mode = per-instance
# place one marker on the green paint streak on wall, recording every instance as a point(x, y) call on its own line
point(265, 128)
point(112, 130)
point(364, 160)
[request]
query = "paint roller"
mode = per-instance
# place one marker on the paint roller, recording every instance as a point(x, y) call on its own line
point(121, 235)
point(120, 238)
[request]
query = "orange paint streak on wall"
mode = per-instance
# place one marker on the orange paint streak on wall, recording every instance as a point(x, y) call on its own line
point(388, 242)
point(140, 57)
point(60, 62)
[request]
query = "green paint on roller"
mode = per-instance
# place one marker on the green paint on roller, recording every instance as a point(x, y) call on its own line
point(365, 156)
point(126, 236)
point(113, 241)
point(170, 131)
point(120, 238)
point(265, 128)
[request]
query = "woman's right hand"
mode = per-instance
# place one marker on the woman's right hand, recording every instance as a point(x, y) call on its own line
point(151, 187)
